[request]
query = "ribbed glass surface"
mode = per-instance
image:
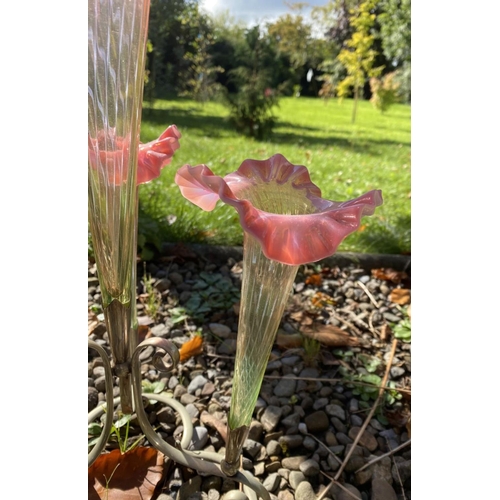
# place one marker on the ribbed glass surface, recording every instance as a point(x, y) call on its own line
point(265, 290)
point(117, 34)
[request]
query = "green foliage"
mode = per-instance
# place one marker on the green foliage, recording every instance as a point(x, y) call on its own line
point(251, 106)
point(311, 351)
point(95, 429)
point(151, 298)
point(402, 330)
point(395, 30)
point(345, 161)
point(359, 56)
point(212, 292)
point(384, 91)
point(157, 387)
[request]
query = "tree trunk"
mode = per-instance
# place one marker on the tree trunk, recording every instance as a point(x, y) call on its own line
point(355, 105)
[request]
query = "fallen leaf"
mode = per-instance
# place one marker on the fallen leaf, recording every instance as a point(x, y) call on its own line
point(288, 340)
point(214, 422)
point(321, 299)
point(191, 348)
point(389, 275)
point(408, 311)
point(143, 332)
point(401, 296)
point(314, 279)
point(131, 476)
point(329, 335)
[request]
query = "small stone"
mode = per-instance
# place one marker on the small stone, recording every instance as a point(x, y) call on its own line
point(160, 331)
point(220, 330)
point(227, 347)
point(271, 482)
point(176, 278)
point(286, 387)
point(189, 487)
point(330, 439)
point(302, 428)
point(93, 398)
point(200, 438)
point(291, 441)
point(342, 495)
point(403, 467)
point(292, 420)
point(197, 383)
point(397, 371)
point(317, 421)
point(162, 285)
point(335, 411)
point(309, 468)
point(252, 448)
point(296, 477)
point(382, 490)
point(271, 417)
point(293, 463)
point(309, 443)
point(285, 495)
point(255, 430)
point(320, 403)
point(367, 440)
point(273, 448)
point(338, 424)
point(305, 491)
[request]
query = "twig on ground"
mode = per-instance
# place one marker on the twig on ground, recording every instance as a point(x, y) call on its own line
point(327, 489)
point(401, 446)
point(355, 382)
point(326, 447)
point(372, 411)
point(397, 468)
point(347, 323)
point(370, 296)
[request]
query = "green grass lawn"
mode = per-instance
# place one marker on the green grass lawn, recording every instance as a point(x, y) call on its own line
point(344, 161)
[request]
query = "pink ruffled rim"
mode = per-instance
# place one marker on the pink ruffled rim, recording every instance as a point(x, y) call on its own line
point(155, 155)
point(289, 239)
point(152, 156)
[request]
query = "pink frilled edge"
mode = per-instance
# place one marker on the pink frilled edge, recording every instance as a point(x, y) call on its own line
point(152, 156)
point(289, 239)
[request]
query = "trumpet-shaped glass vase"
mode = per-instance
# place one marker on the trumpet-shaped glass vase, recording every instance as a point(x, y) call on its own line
point(286, 223)
point(117, 36)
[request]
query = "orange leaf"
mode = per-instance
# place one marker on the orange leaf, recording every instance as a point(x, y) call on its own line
point(314, 279)
point(389, 275)
point(191, 348)
point(288, 340)
point(401, 296)
point(132, 476)
point(321, 299)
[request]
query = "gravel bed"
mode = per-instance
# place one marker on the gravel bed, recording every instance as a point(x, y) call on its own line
point(311, 405)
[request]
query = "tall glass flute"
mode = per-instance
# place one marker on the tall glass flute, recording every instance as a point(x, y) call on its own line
point(117, 36)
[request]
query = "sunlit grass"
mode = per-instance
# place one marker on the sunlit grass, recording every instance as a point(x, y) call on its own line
point(344, 160)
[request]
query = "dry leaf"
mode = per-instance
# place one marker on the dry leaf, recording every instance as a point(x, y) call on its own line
point(408, 311)
point(321, 299)
point(389, 275)
point(143, 332)
point(214, 422)
point(191, 348)
point(288, 340)
point(132, 476)
point(314, 279)
point(330, 335)
point(401, 296)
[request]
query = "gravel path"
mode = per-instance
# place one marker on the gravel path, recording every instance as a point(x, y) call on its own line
point(311, 405)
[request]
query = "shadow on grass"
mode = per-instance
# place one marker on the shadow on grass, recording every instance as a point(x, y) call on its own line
point(216, 126)
point(394, 238)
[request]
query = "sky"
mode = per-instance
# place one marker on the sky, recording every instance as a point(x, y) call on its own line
point(253, 12)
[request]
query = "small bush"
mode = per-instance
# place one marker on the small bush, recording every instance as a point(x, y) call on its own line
point(384, 91)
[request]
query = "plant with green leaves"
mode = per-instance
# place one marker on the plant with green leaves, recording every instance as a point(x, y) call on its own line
point(384, 91)
point(95, 429)
point(151, 298)
point(359, 56)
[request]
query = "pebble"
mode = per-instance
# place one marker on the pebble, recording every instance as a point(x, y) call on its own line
point(305, 491)
point(382, 490)
point(283, 455)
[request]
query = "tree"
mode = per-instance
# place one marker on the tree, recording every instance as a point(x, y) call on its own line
point(395, 32)
point(358, 56)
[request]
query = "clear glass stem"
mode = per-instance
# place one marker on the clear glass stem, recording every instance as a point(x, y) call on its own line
point(265, 291)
